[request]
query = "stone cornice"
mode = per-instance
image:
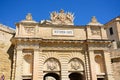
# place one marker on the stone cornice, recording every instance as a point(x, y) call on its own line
point(41, 40)
point(98, 41)
point(27, 23)
point(60, 26)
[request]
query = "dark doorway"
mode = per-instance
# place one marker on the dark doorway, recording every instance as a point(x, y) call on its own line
point(53, 76)
point(76, 76)
point(100, 78)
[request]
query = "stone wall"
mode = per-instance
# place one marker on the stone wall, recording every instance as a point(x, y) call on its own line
point(6, 51)
point(115, 59)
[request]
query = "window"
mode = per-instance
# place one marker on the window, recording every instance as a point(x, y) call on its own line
point(111, 31)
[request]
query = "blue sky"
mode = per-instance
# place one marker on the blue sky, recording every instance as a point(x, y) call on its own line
point(12, 11)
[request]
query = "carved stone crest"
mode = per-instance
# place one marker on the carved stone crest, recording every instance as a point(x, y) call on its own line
point(51, 64)
point(75, 64)
point(60, 18)
point(29, 30)
point(95, 30)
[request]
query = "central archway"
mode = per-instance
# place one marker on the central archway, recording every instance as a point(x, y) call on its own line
point(51, 76)
point(76, 76)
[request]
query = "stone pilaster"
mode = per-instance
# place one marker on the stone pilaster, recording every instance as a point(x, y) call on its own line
point(103, 33)
point(36, 64)
point(41, 75)
point(108, 65)
point(89, 35)
point(92, 65)
point(14, 64)
point(87, 69)
point(18, 70)
point(64, 67)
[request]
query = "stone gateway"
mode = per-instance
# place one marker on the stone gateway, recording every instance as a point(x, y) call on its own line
point(56, 49)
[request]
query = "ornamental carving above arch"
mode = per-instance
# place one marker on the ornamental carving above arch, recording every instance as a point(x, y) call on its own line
point(75, 64)
point(52, 64)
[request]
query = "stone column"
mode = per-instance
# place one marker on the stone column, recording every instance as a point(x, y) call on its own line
point(108, 65)
point(35, 64)
point(18, 70)
point(92, 65)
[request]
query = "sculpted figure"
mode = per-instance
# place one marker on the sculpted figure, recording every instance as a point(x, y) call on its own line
point(53, 16)
point(62, 15)
point(70, 17)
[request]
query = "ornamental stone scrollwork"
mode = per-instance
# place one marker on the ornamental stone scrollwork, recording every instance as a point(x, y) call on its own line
point(52, 64)
point(75, 64)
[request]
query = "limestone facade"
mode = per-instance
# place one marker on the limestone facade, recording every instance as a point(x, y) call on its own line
point(56, 49)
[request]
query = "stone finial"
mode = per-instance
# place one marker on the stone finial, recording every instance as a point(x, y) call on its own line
point(29, 17)
point(94, 20)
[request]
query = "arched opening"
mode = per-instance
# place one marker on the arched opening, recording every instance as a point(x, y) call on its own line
point(76, 76)
point(51, 76)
